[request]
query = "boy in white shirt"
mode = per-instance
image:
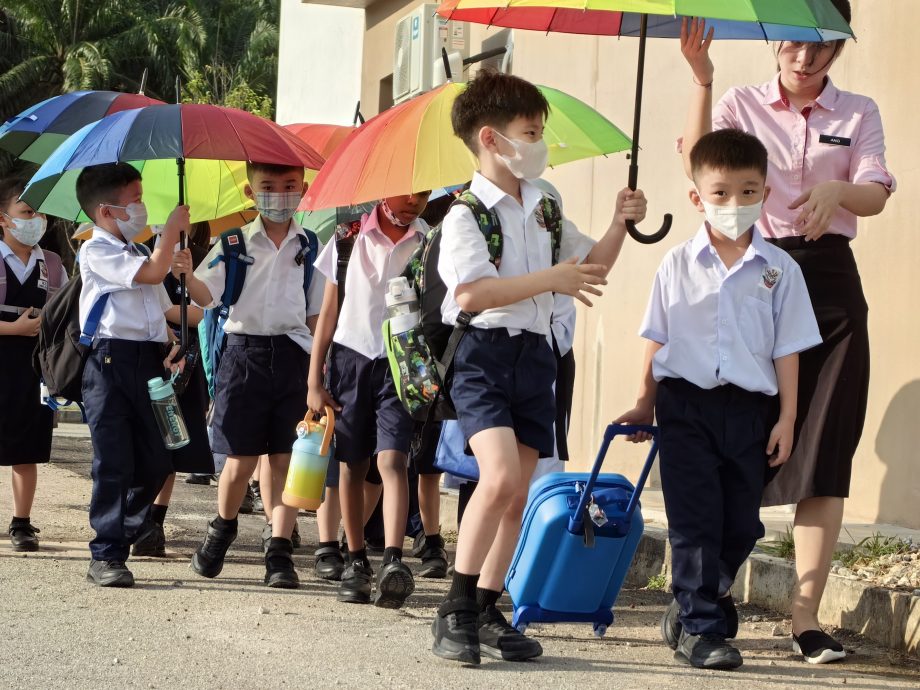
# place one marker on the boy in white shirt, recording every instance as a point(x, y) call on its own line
point(504, 368)
point(260, 391)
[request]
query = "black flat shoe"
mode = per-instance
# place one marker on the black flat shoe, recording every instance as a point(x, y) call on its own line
point(498, 640)
point(109, 574)
point(208, 559)
point(151, 543)
point(456, 631)
point(707, 651)
point(671, 626)
point(817, 647)
point(329, 564)
point(279, 565)
point(394, 585)
point(22, 536)
point(355, 587)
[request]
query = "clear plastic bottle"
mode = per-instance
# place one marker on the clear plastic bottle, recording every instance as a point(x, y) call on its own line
point(168, 414)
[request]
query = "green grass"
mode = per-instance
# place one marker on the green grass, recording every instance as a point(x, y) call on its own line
point(784, 547)
point(657, 583)
point(870, 549)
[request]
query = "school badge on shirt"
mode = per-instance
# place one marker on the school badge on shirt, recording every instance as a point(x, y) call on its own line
point(770, 277)
point(42, 276)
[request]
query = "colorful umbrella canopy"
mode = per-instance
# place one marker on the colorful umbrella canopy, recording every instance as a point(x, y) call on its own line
point(324, 139)
point(211, 142)
point(35, 133)
point(412, 148)
point(791, 20)
point(216, 226)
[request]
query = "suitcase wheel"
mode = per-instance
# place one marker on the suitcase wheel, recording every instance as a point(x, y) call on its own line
point(521, 628)
point(599, 629)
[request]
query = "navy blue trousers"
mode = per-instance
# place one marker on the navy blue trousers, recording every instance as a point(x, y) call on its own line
point(130, 460)
point(713, 460)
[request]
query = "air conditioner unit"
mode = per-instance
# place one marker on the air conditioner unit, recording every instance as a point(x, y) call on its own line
point(420, 37)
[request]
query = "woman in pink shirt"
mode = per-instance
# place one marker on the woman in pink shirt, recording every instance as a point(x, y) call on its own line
point(826, 168)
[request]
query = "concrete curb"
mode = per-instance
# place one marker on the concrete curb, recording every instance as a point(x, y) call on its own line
point(888, 617)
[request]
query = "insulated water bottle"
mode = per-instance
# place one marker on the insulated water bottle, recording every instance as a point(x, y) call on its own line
point(402, 305)
point(310, 455)
point(168, 414)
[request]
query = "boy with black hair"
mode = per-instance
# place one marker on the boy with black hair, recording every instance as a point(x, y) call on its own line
point(504, 368)
point(260, 391)
point(727, 317)
point(123, 307)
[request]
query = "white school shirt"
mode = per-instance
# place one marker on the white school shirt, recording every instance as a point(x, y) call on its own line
point(726, 326)
point(374, 260)
point(272, 300)
point(23, 270)
point(526, 248)
point(134, 311)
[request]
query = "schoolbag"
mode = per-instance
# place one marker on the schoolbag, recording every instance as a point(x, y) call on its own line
point(420, 359)
point(55, 270)
point(60, 354)
point(211, 334)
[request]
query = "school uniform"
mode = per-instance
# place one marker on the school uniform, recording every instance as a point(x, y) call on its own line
point(25, 423)
point(260, 392)
point(721, 330)
point(130, 460)
point(372, 419)
point(504, 368)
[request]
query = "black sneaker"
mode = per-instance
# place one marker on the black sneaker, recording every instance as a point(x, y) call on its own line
point(707, 651)
point(152, 542)
point(329, 563)
point(247, 507)
point(295, 537)
point(456, 631)
point(109, 574)
point(279, 565)
point(257, 504)
point(266, 536)
point(22, 536)
point(498, 640)
point(817, 647)
point(202, 479)
point(418, 545)
point(434, 558)
point(208, 559)
point(671, 626)
point(375, 544)
point(394, 585)
point(355, 587)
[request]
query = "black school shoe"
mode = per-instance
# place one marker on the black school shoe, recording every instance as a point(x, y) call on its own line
point(434, 558)
point(671, 626)
point(22, 536)
point(109, 574)
point(707, 651)
point(456, 631)
point(355, 587)
point(247, 507)
point(329, 563)
point(257, 503)
point(208, 559)
point(202, 479)
point(152, 542)
point(279, 564)
point(817, 647)
point(498, 640)
point(394, 585)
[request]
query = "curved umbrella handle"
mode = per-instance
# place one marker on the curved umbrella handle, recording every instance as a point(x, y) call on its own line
point(633, 231)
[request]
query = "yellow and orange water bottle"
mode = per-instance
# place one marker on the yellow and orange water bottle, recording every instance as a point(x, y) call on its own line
point(310, 455)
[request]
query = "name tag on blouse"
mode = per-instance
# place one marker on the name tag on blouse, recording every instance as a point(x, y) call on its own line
point(836, 141)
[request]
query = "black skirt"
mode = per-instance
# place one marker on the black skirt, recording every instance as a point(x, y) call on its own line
point(196, 457)
point(833, 377)
point(25, 423)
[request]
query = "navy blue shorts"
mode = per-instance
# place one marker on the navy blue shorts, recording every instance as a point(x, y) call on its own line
point(373, 474)
point(260, 395)
point(504, 380)
point(372, 419)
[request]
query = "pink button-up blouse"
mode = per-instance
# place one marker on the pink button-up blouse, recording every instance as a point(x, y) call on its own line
point(837, 137)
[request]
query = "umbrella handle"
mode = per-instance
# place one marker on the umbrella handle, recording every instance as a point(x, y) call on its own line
point(631, 226)
point(183, 296)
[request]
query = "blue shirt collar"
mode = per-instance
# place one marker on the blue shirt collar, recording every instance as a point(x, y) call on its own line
point(701, 243)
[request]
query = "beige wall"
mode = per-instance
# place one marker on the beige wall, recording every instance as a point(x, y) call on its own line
point(601, 71)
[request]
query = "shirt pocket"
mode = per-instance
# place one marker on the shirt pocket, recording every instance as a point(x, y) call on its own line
point(756, 325)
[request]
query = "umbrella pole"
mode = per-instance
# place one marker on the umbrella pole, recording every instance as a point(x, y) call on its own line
point(634, 153)
point(183, 297)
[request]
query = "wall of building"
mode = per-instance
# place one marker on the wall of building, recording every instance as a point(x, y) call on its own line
point(601, 71)
point(320, 62)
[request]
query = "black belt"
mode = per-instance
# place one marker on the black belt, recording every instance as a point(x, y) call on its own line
point(259, 341)
point(830, 241)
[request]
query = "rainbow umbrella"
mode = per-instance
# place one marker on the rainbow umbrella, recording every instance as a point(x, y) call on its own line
point(36, 132)
point(779, 20)
point(412, 148)
point(235, 220)
point(324, 139)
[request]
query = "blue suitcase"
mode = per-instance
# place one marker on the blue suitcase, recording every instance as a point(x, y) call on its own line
point(566, 568)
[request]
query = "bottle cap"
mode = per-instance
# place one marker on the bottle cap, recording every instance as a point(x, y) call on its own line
point(159, 388)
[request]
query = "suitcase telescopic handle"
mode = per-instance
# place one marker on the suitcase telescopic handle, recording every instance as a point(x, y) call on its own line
point(576, 522)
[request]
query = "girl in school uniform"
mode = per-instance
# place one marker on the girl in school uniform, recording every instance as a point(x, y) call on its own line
point(827, 168)
point(27, 277)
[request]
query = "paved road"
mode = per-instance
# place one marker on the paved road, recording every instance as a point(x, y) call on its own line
point(178, 630)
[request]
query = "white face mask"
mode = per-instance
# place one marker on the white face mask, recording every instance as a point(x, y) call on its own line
point(732, 221)
point(529, 159)
point(137, 220)
point(28, 231)
point(278, 207)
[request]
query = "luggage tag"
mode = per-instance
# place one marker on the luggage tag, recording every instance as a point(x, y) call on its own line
point(597, 514)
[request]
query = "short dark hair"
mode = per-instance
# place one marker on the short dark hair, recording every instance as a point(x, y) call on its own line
point(11, 188)
point(728, 149)
point(843, 6)
point(494, 99)
point(100, 184)
point(270, 169)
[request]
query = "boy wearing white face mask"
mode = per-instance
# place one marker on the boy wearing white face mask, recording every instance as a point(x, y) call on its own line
point(727, 317)
point(130, 461)
point(260, 391)
point(28, 275)
point(504, 367)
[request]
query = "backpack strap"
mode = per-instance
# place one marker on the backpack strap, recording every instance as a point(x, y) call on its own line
point(552, 220)
point(2, 280)
point(309, 248)
point(488, 222)
point(234, 255)
point(345, 236)
point(92, 320)
point(55, 271)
